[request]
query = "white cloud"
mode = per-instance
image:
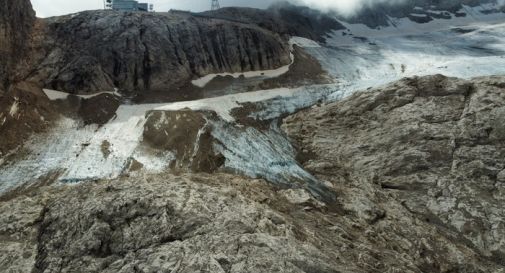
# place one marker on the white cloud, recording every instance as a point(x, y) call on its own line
point(345, 7)
point(46, 8)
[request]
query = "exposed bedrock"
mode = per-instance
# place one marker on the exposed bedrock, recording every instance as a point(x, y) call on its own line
point(185, 133)
point(100, 50)
point(16, 22)
point(418, 167)
point(433, 145)
point(24, 110)
point(283, 18)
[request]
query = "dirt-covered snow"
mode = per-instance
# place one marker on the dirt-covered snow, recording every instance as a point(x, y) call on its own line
point(358, 58)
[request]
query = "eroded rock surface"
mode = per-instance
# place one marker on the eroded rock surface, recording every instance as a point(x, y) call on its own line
point(24, 110)
point(417, 166)
point(185, 133)
point(432, 145)
point(100, 50)
point(16, 22)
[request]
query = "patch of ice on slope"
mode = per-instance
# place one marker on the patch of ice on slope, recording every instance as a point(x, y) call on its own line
point(78, 152)
point(304, 42)
point(46, 153)
point(265, 154)
point(123, 133)
point(203, 81)
point(59, 95)
point(405, 26)
point(382, 59)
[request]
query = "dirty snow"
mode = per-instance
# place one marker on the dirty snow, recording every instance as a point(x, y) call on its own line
point(76, 150)
point(304, 42)
point(59, 95)
point(203, 81)
point(377, 57)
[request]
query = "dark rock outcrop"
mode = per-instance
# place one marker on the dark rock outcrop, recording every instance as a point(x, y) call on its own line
point(187, 135)
point(24, 108)
point(100, 50)
point(16, 22)
point(283, 18)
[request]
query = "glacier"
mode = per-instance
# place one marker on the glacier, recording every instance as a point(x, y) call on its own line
point(357, 58)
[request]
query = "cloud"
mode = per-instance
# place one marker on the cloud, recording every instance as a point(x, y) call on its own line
point(345, 7)
point(47, 8)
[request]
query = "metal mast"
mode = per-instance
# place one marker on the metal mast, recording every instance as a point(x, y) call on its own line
point(215, 5)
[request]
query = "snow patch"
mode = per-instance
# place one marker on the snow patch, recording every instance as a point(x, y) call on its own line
point(153, 163)
point(59, 95)
point(3, 119)
point(405, 26)
point(304, 42)
point(76, 150)
point(380, 57)
point(203, 81)
point(14, 108)
point(224, 104)
point(419, 15)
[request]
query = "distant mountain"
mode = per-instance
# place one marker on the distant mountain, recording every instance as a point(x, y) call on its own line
point(421, 11)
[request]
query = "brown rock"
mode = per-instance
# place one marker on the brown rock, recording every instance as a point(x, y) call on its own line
point(430, 144)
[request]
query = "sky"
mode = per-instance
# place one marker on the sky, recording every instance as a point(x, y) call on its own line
point(46, 8)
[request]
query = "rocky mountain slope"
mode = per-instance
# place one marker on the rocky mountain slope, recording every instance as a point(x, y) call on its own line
point(16, 23)
point(146, 55)
point(405, 177)
point(24, 108)
point(283, 18)
point(417, 167)
point(434, 144)
point(103, 50)
point(146, 52)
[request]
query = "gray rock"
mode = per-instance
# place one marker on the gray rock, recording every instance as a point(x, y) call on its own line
point(433, 145)
point(16, 22)
point(283, 18)
point(100, 50)
point(413, 165)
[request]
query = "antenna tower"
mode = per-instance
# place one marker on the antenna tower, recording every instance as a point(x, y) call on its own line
point(215, 5)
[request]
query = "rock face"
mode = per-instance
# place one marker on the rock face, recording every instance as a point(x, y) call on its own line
point(16, 21)
point(24, 109)
point(432, 145)
point(100, 50)
point(417, 166)
point(156, 224)
point(283, 18)
point(185, 133)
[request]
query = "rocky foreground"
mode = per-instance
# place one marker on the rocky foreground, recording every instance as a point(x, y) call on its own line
point(417, 167)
